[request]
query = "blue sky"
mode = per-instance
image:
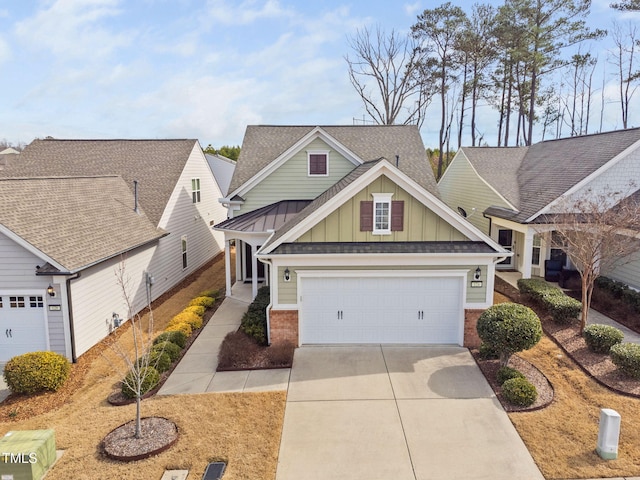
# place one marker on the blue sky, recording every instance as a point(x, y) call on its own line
point(200, 69)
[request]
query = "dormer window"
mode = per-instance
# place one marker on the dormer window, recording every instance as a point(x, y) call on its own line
point(318, 163)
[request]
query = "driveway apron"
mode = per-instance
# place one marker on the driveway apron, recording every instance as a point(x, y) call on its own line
point(386, 412)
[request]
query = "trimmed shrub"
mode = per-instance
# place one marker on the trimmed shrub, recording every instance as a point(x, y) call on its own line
point(509, 328)
point(150, 378)
point(487, 352)
point(600, 338)
point(176, 337)
point(206, 302)
point(190, 318)
point(169, 348)
point(519, 391)
point(209, 293)
point(35, 372)
point(254, 321)
point(180, 327)
point(197, 309)
point(507, 373)
point(626, 356)
point(158, 359)
point(563, 309)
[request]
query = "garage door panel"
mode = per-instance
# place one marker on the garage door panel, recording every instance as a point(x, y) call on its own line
point(381, 309)
point(22, 327)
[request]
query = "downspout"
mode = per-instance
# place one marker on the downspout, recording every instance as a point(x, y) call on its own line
point(72, 336)
point(268, 262)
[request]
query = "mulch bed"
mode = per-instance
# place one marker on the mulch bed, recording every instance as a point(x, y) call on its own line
point(241, 352)
point(598, 366)
point(156, 435)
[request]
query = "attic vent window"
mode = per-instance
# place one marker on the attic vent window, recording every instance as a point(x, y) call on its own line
point(318, 163)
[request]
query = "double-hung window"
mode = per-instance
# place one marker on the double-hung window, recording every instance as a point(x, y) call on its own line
point(381, 213)
point(184, 251)
point(195, 190)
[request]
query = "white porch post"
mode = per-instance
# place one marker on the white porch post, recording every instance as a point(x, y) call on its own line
point(227, 266)
point(239, 254)
point(254, 272)
point(527, 253)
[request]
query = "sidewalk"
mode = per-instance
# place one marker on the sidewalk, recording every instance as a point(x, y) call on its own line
point(196, 372)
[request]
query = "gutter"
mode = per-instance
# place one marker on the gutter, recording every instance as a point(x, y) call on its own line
point(74, 358)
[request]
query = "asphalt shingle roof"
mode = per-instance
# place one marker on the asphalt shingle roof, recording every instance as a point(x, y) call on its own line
point(76, 221)
point(262, 144)
point(547, 169)
point(156, 164)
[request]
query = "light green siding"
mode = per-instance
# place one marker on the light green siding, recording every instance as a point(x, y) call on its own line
point(287, 291)
point(291, 181)
point(420, 223)
point(462, 187)
point(628, 271)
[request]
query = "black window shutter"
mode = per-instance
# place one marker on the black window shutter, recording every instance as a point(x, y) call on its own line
point(366, 216)
point(397, 215)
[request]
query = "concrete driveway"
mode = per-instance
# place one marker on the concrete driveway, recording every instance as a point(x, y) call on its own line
point(402, 413)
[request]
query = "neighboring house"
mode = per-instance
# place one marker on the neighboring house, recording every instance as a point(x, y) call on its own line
point(66, 196)
point(506, 191)
point(222, 169)
point(7, 155)
point(345, 225)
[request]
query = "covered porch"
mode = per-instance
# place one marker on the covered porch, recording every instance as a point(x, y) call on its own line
point(248, 232)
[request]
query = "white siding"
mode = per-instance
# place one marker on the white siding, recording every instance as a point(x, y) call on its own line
point(17, 273)
point(628, 272)
point(96, 295)
point(182, 217)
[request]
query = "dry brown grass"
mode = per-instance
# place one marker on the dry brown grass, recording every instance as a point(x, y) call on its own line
point(241, 429)
point(562, 437)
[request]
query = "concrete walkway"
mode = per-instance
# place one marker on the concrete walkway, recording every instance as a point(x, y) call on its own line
point(196, 372)
point(403, 413)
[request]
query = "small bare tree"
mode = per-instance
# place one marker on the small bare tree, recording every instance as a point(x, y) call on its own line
point(136, 358)
point(598, 231)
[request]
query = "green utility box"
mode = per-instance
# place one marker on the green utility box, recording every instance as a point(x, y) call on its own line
point(27, 454)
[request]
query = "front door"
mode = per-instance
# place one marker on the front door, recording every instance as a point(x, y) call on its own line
point(505, 239)
point(248, 270)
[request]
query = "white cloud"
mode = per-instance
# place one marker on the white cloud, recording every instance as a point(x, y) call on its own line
point(74, 28)
point(246, 12)
point(412, 9)
point(5, 51)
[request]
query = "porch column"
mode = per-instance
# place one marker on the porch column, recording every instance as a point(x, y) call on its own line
point(254, 272)
point(527, 253)
point(227, 267)
point(239, 255)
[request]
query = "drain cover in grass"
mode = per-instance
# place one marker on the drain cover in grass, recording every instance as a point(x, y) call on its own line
point(214, 471)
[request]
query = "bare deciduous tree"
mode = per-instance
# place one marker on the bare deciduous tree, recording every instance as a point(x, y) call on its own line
point(624, 59)
point(136, 358)
point(598, 231)
point(383, 71)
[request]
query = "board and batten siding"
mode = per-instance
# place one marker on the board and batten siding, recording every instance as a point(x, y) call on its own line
point(420, 223)
point(96, 295)
point(288, 291)
point(182, 217)
point(291, 181)
point(461, 186)
point(18, 275)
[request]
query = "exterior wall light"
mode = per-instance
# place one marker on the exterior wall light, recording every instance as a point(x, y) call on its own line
point(51, 291)
point(476, 275)
point(287, 275)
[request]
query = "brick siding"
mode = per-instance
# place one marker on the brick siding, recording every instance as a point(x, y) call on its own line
point(284, 326)
point(471, 338)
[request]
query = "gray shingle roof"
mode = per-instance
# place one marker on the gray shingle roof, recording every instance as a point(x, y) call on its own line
point(263, 143)
point(547, 169)
point(75, 221)
point(382, 247)
point(156, 164)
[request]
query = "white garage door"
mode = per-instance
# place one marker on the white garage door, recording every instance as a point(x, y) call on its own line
point(422, 310)
point(22, 325)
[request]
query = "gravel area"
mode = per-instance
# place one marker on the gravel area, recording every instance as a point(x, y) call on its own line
point(157, 434)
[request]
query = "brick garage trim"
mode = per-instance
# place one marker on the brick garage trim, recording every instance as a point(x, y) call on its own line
point(471, 338)
point(283, 327)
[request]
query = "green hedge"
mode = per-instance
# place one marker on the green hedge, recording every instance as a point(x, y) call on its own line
point(169, 348)
point(620, 291)
point(150, 378)
point(254, 321)
point(600, 338)
point(562, 308)
point(36, 372)
point(520, 392)
point(177, 337)
point(626, 356)
point(507, 373)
